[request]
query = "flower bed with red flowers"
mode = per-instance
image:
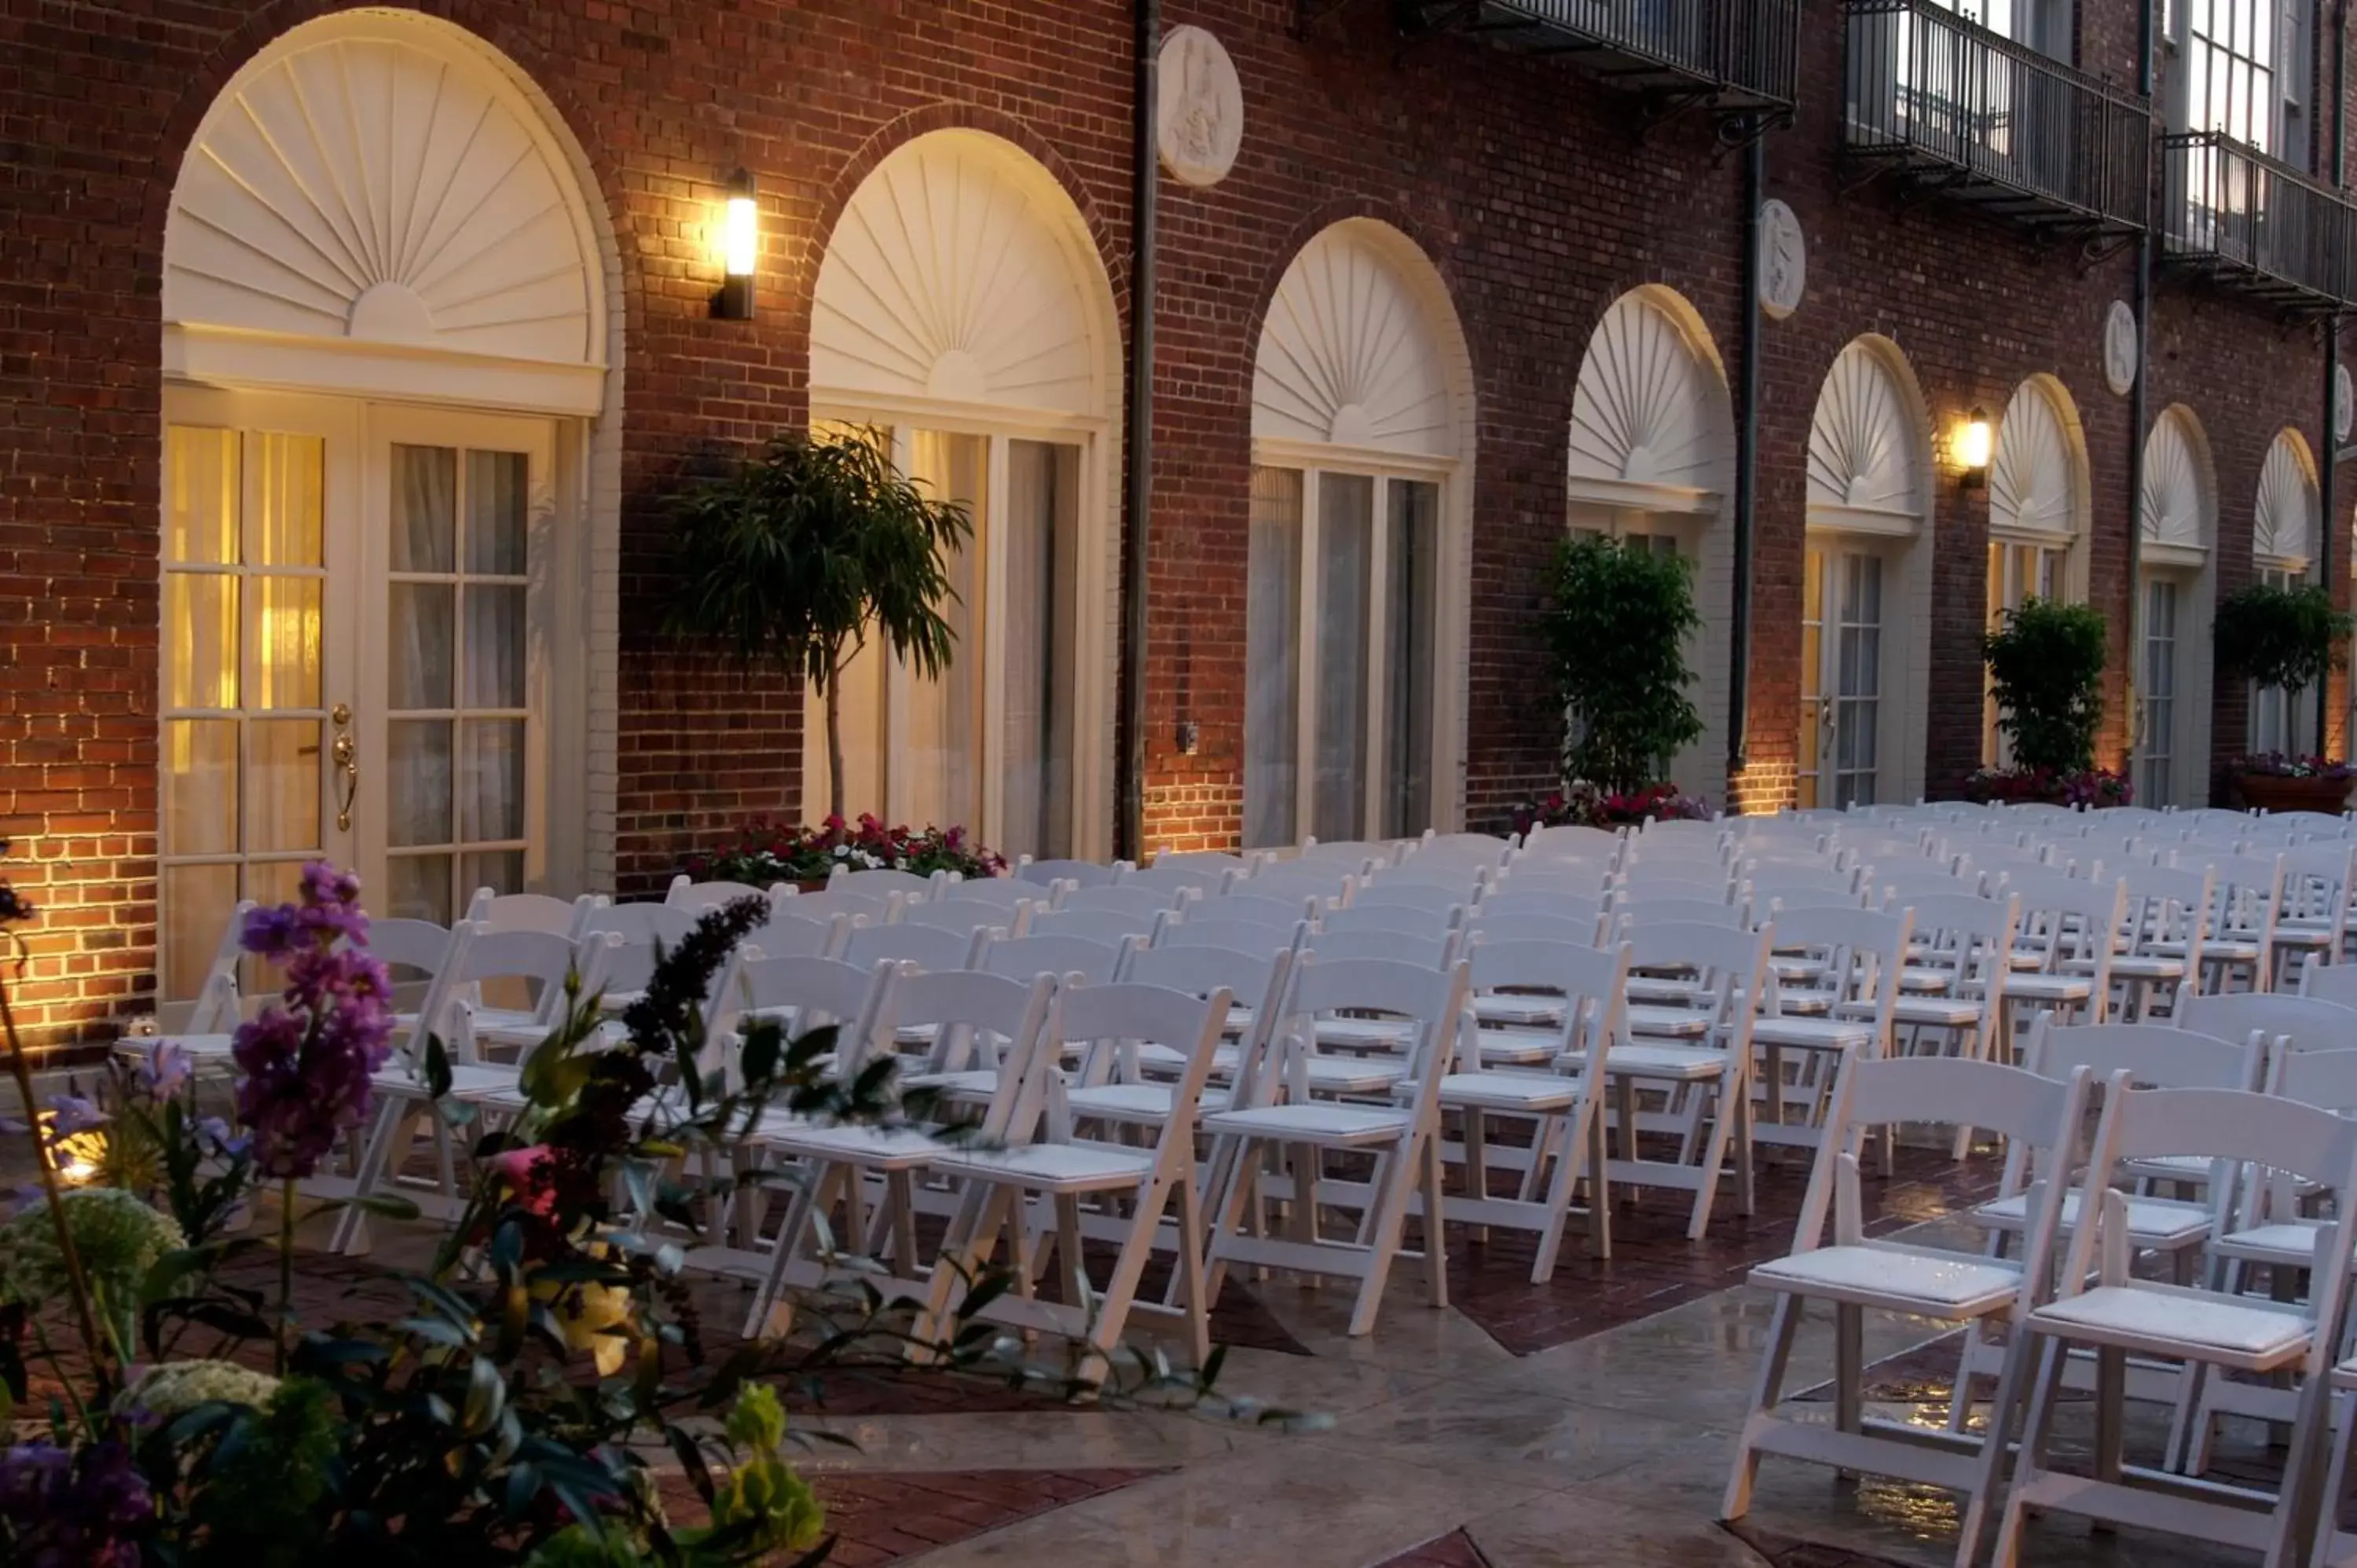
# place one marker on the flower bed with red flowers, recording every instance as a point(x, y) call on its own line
point(1586, 806)
point(765, 852)
point(2278, 765)
point(2093, 788)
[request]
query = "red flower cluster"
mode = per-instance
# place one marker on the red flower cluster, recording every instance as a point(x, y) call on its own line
point(2276, 764)
point(2094, 787)
point(765, 851)
point(1583, 805)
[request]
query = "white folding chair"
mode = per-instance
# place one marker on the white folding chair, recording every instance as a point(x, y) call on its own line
point(790, 933)
point(882, 881)
point(1855, 1273)
point(2068, 937)
point(837, 1159)
point(1403, 1138)
point(217, 1010)
point(1093, 962)
point(1137, 1188)
point(1080, 874)
point(1857, 956)
point(2100, 1307)
point(1007, 894)
point(877, 909)
point(532, 912)
point(686, 893)
point(929, 948)
point(1100, 925)
point(1134, 899)
point(967, 916)
point(2159, 950)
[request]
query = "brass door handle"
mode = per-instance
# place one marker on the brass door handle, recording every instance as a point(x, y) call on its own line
point(345, 753)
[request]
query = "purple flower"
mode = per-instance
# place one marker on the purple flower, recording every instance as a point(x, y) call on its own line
point(81, 1510)
point(164, 1069)
point(72, 1113)
point(305, 1064)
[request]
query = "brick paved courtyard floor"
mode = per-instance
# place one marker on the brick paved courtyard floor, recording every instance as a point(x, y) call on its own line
point(1582, 1423)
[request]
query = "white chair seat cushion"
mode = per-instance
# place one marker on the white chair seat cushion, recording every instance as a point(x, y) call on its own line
point(1944, 1286)
point(1146, 1103)
point(1532, 1091)
point(2291, 1241)
point(1519, 1047)
point(883, 1146)
point(201, 1046)
point(1353, 1075)
point(1071, 1168)
point(2169, 1322)
point(2050, 987)
point(2147, 966)
point(2152, 1221)
point(1366, 1034)
point(1668, 1023)
point(1812, 1034)
point(1319, 1123)
point(1936, 1012)
point(1914, 979)
point(1500, 1007)
point(1654, 1058)
point(468, 1080)
point(976, 1082)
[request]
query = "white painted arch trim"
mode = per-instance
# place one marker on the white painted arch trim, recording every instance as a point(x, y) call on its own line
point(2037, 475)
point(1869, 454)
point(961, 290)
point(1652, 433)
point(378, 178)
point(1869, 480)
point(2283, 532)
point(2178, 511)
point(221, 333)
point(1363, 367)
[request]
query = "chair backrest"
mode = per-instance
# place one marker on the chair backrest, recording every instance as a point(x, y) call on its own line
point(1357, 856)
point(1479, 927)
point(1638, 885)
point(1407, 918)
point(530, 912)
point(1245, 936)
point(2317, 879)
point(1572, 839)
point(2330, 983)
point(686, 893)
point(1293, 880)
point(1251, 905)
point(2326, 1078)
point(930, 949)
point(1593, 982)
point(1413, 895)
point(1645, 909)
point(1100, 925)
point(1729, 962)
point(962, 1009)
point(881, 910)
point(1130, 898)
point(419, 946)
point(1864, 951)
point(1432, 996)
point(1082, 874)
point(642, 924)
point(1256, 981)
point(2249, 892)
point(1106, 1023)
point(790, 933)
point(2303, 1023)
point(805, 994)
point(1511, 900)
point(1171, 878)
point(1003, 892)
point(1470, 848)
point(1096, 962)
point(2154, 1056)
point(967, 916)
point(880, 880)
point(218, 1009)
point(1430, 949)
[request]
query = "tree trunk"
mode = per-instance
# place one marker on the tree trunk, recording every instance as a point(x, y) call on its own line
point(834, 738)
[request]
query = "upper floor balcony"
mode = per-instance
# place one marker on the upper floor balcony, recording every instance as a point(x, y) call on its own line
point(2232, 213)
point(1731, 56)
point(1995, 122)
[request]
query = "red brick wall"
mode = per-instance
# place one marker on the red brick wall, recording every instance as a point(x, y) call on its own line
point(1539, 196)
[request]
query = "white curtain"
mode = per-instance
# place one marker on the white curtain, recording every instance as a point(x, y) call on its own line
point(1272, 659)
point(1346, 527)
point(1035, 744)
point(1409, 633)
point(942, 775)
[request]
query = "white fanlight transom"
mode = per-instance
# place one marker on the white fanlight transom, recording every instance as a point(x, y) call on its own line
point(1650, 424)
point(2284, 532)
point(2037, 476)
point(1350, 353)
point(2176, 508)
point(1866, 445)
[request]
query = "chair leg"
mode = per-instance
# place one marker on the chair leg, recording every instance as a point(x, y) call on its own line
point(1390, 1219)
point(1569, 1138)
point(1995, 1444)
point(1435, 1227)
point(1189, 1271)
point(1121, 1284)
point(1765, 1395)
point(1228, 1220)
point(2336, 1481)
point(1850, 1370)
point(800, 1209)
point(2051, 1356)
point(373, 1156)
point(1714, 1156)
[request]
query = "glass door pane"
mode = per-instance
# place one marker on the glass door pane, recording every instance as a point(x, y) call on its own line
point(1409, 629)
point(1346, 527)
point(1809, 754)
point(1273, 661)
point(1042, 539)
point(245, 653)
point(1858, 696)
point(456, 705)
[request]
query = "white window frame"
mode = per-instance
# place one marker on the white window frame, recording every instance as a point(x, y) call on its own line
point(2294, 710)
point(1312, 461)
point(1817, 744)
point(1091, 803)
point(2272, 57)
point(2007, 590)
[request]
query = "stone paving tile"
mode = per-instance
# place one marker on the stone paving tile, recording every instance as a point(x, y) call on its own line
point(1782, 1552)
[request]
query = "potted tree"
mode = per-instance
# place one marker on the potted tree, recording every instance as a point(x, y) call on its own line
point(2046, 666)
point(1616, 625)
point(2289, 637)
point(796, 558)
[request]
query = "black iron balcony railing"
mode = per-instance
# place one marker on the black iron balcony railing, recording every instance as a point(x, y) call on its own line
point(1740, 56)
point(2253, 224)
point(1993, 121)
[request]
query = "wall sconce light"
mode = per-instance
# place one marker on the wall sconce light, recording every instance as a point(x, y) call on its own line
point(740, 250)
point(1973, 445)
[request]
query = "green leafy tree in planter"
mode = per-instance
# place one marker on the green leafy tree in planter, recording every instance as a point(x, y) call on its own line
point(1616, 628)
point(2289, 637)
point(2046, 662)
point(799, 556)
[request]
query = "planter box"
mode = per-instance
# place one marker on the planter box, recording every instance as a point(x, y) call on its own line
point(2272, 792)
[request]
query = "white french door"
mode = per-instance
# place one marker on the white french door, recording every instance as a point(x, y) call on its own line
point(2157, 740)
point(2020, 569)
point(1340, 655)
point(353, 659)
point(1840, 677)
